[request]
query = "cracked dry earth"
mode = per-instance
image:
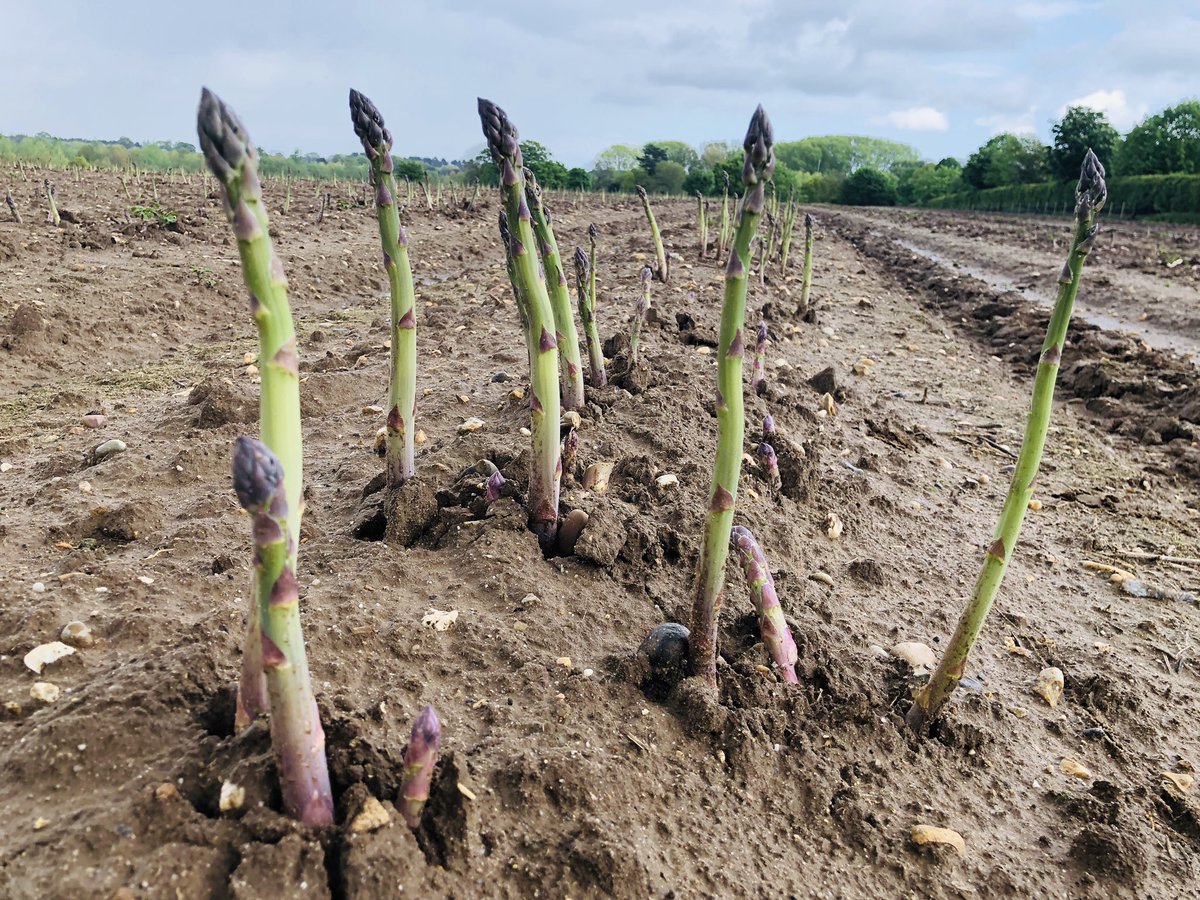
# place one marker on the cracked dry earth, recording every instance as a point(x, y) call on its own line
point(560, 777)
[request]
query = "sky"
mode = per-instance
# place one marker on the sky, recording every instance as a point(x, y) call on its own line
point(579, 76)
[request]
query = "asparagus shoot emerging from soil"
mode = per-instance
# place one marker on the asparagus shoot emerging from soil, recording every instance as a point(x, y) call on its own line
point(53, 216)
point(233, 159)
point(530, 285)
point(768, 428)
point(639, 315)
point(723, 234)
point(770, 463)
point(402, 386)
point(491, 493)
point(585, 284)
point(296, 734)
point(758, 378)
point(928, 702)
point(731, 421)
point(660, 255)
point(806, 276)
point(702, 224)
point(776, 635)
point(419, 760)
point(570, 454)
point(560, 296)
point(12, 208)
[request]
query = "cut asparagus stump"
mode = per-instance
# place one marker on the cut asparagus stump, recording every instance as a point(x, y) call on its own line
point(731, 422)
point(773, 627)
point(296, 733)
point(587, 316)
point(402, 386)
point(639, 315)
point(928, 702)
point(419, 761)
point(530, 285)
point(660, 254)
point(233, 159)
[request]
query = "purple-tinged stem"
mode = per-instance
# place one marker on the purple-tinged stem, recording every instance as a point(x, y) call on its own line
point(419, 760)
point(776, 635)
point(758, 380)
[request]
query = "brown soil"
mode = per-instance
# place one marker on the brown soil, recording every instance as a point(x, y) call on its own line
point(566, 779)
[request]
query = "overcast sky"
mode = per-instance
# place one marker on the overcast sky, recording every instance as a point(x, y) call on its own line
point(581, 75)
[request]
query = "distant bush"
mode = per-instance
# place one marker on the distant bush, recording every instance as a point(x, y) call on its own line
point(1135, 195)
point(869, 187)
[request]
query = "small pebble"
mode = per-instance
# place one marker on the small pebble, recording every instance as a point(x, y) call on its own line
point(109, 448)
point(372, 410)
point(371, 816)
point(471, 424)
point(232, 797)
point(564, 661)
point(94, 420)
point(1075, 768)
point(85, 487)
point(6, 467)
point(570, 417)
point(37, 587)
point(833, 526)
point(420, 437)
point(983, 478)
point(77, 634)
point(517, 393)
point(44, 691)
point(1035, 505)
point(919, 656)
point(1049, 684)
point(666, 481)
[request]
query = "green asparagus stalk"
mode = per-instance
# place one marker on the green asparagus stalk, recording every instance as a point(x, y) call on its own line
point(419, 760)
point(758, 378)
point(702, 224)
point(12, 208)
point(587, 315)
point(593, 233)
point(928, 702)
point(296, 733)
point(639, 315)
point(54, 217)
point(660, 255)
point(731, 422)
point(806, 276)
point(723, 237)
point(773, 627)
point(233, 159)
point(570, 454)
point(570, 365)
point(530, 284)
point(772, 233)
point(402, 385)
point(789, 227)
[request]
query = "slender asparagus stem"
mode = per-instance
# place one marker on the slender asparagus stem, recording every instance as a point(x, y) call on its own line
point(731, 423)
point(639, 315)
point(570, 454)
point(723, 237)
point(770, 464)
point(419, 760)
point(660, 255)
point(296, 733)
point(560, 297)
point(789, 227)
point(54, 217)
point(806, 277)
point(12, 208)
point(593, 233)
point(530, 284)
point(758, 378)
point(402, 385)
point(773, 627)
point(702, 224)
point(587, 315)
point(233, 159)
point(928, 702)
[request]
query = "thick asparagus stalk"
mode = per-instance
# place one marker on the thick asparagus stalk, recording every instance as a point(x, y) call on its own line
point(928, 702)
point(402, 386)
point(587, 315)
point(806, 277)
point(233, 159)
point(731, 422)
point(296, 734)
point(560, 297)
point(530, 284)
point(419, 760)
point(12, 208)
point(53, 216)
point(639, 315)
point(773, 627)
point(758, 378)
point(660, 255)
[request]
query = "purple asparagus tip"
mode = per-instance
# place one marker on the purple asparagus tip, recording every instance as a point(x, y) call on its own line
point(494, 483)
point(762, 333)
point(257, 473)
point(593, 231)
point(419, 760)
point(368, 125)
point(646, 275)
point(501, 135)
point(759, 147)
point(768, 425)
point(223, 137)
point(581, 260)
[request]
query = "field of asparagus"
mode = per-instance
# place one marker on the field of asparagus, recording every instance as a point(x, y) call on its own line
point(629, 564)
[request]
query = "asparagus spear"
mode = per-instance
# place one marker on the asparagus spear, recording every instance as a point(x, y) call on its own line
point(530, 285)
point(233, 159)
point(296, 734)
point(758, 378)
point(584, 283)
point(928, 702)
point(773, 627)
point(806, 277)
point(419, 760)
point(770, 464)
point(53, 216)
point(723, 236)
point(402, 386)
point(789, 227)
point(12, 208)
point(639, 315)
point(560, 297)
point(702, 224)
point(494, 483)
point(768, 427)
point(660, 254)
point(731, 423)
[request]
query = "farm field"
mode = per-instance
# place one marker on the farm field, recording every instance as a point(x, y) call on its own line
point(560, 776)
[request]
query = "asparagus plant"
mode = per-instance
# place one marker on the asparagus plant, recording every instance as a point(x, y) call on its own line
point(702, 224)
point(928, 702)
point(402, 386)
point(495, 482)
point(789, 227)
point(584, 284)
point(530, 285)
point(660, 255)
point(806, 276)
point(768, 427)
point(571, 367)
point(593, 233)
point(758, 378)
point(570, 454)
point(773, 627)
point(731, 424)
point(12, 208)
point(296, 734)
point(639, 315)
point(770, 464)
point(419, 760)
point(723, 235)
point(53, 216)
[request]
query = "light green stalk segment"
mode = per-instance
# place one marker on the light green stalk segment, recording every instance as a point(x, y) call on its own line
point(54, 217)
point(587, 315)
point(929, 700)
point(731, 422)
point(723, 236)
point(660, 255)
point(560, 297)
point(806, 276)
point(789, 227)
point(233, 159)
point(702, 224)
point(402, 386)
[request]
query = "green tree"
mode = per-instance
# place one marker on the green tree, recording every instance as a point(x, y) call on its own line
point(412, 169)
point(699, 179)
point(714, 153)
point(1081, 128)
point(651, 156)
point(667, 177)
point(1007, 159)
point(843, 154)
point(1163, 144)
point(917, 185)
point(869, 187)
point(579, 179)
point(617, 158)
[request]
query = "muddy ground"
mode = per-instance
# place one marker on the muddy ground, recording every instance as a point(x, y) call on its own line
point(561, 777)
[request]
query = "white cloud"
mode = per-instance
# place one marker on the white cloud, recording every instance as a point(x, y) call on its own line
point(1114, 104)
point(919, 118)
point(1020, 123)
